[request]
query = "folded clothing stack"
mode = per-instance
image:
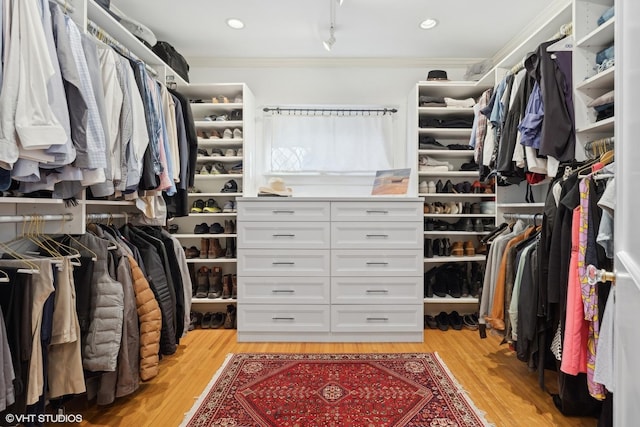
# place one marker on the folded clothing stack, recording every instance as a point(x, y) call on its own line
point(429, 164)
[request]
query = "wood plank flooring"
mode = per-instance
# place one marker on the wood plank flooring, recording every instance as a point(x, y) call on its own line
point(496, 381)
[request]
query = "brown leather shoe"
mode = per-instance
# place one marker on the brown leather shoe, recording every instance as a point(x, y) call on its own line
point(215, 250)
point(457, 249)
point(204, 248)
point(202, 279)
point(215, 283)
point(226, 286)
point(482, 249)
point(469, 249)
point(234, 286)
point(192, 252)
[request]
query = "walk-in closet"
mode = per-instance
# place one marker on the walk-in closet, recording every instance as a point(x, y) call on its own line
point(319, 213)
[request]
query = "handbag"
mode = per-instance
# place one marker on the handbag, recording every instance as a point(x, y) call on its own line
point(172, 58)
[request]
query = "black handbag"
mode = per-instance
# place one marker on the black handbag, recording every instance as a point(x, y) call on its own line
point(172, 58)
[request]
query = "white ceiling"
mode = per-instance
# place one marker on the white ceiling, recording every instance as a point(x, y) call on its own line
point(364, 28)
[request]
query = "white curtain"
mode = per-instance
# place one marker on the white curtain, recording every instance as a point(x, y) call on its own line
point(332, 142)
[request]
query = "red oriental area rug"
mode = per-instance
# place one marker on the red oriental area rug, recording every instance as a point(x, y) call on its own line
point(333, 390)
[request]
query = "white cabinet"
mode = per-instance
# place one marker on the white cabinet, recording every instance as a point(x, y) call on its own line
point(329, 270)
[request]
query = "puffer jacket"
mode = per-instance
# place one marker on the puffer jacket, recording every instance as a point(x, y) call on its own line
point(150, 319)
point(101, 344)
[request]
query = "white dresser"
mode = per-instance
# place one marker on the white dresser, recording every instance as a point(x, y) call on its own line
point(337, 270)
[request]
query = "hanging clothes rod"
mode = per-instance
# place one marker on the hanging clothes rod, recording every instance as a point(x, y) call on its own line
point(102, 35)
point(565, 30)
point(338, 111)
point(526, 217)
point(22, 218)
point(103, 216)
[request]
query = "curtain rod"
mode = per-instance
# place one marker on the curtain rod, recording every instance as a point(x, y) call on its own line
point(279, 110)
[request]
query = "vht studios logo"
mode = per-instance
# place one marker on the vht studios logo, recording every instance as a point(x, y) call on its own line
point(42, 418)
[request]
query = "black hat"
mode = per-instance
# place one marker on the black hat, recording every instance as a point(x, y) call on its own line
point(437, 75)
point(230, 187)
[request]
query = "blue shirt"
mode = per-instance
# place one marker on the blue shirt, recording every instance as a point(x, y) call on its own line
point(531, 125)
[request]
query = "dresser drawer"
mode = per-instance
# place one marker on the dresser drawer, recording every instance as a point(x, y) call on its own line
point(377, 290)
point(282, 235)
point(376, 318)
point(377, 235)
point(283, 290)
point(280, 262)
point(275, 210)
point(400, 262)
point(283, 318)
point(377, 211)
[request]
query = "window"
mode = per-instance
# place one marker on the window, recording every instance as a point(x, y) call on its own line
point(309, 140)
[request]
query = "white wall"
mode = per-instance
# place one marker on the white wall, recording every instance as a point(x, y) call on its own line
point(329, 84)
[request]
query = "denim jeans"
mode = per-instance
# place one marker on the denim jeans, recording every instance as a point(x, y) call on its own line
point(604, 54)
point(608, 14)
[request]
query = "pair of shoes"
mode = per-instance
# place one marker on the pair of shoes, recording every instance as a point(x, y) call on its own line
point(197, 206)
point(209, 282)
point(230, 187)
point(427, 187)
point(218, 169)
point(229, 227)
point(229, 207)
point(202, 228)
point(236, 169)
point(195, 320)
point(216, 228)
point(470, 321)
point(220, 99)
point(191, 252)
point(230, 319)
point(173, 228)
point(232, 134)
point(210, 248)
point(211, 206)
point(212, 320)
point(442, 247)
point(453, 319)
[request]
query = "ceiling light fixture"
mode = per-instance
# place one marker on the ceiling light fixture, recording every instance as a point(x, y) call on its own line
point(428, 24)
point(235, 23)
point(328, 44)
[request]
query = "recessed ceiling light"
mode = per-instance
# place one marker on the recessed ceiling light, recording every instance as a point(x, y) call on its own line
point(235, 23)
point(428, 24)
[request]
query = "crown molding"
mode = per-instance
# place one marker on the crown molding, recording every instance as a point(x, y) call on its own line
point(217, 62)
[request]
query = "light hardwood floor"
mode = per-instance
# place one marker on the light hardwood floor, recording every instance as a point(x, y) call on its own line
point(496, 381)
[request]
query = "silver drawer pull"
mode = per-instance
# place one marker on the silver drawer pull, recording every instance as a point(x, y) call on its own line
point(377, 291)
point(378, 235)
point(283, 318)
point(284, 212)
point(377, 319)
point(283, 235)
point(283, 291)
point(377, 263)
point(283, 263)
point(377, 212)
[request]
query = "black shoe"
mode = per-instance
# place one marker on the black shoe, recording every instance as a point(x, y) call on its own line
point(217, 320)
point(428, 248)
point(455, 320)
point(429, 279)
point(430, 322)
point(448, 187)
point(470, 321)
point(446, 246)
point(230, 319)
point(429, 225)
point(201, 228)
point(206, 320)
point(437, 247)
point(439, 186)
point(442, 321)
point(478, 226)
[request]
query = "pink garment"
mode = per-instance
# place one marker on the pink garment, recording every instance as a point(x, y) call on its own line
point(576, 329)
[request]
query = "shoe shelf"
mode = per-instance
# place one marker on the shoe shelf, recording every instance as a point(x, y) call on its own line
point(453, 174)
point(195, 300)
point(90, 202)
point(451, 300)
point(444, 111)
point(219, 176)
point(202, 195)
point(444, 133)
point(211, 260)
point(453, 258)
point(204, 236)
point(223, 159)
point(202, 108)
point(600, 37)
point(219, 142)
point(435, 215)
point(603, 80)
point(209, 215)
point(447, 153)
point(456, 233)
point(218, 124)
point(458, 195)
point(603, 127)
